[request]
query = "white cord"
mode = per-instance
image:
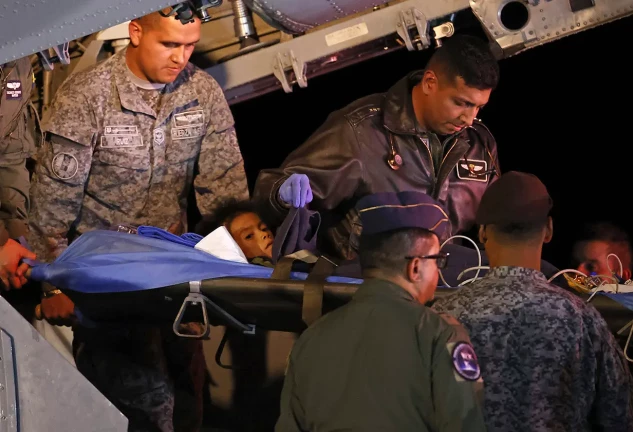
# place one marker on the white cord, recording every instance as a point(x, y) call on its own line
point(478, 257)
point(566, 271)
point(594, 293)
point(615, 281)
point(478, 268)
point(626, 347)
point(619, 261)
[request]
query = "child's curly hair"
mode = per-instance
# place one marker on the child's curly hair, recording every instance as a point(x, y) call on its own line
point(224, 215)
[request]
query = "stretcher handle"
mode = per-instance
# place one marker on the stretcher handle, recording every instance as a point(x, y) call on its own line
point(199, 299)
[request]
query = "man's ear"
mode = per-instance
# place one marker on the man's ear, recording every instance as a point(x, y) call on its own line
point(429, 82)
point(136, 32)
point(549, 230)
point(414, 270)
point(482, 234)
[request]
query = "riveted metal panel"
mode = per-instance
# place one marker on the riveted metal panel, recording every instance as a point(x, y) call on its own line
point(30, 26)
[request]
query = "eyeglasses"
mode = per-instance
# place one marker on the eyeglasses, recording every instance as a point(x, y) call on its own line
point(441, 259)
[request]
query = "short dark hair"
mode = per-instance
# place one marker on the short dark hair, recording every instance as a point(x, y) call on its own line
point(519, 232)
point(224, 215)
point(468, 57)
point(601, 231)
point(386, 251)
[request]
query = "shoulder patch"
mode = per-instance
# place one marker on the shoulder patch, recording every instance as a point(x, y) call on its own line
point(465, 361)
point(64, 166)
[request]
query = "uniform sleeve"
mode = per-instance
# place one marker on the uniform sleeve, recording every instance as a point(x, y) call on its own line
point(221, 166)
point(457, 383)
point(613, 405)
point(17, 143)
point(291, 412)
point(57, 194)
point(328, 158)
point(14, 197)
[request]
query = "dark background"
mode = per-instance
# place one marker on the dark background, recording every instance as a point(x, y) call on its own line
point(562, 111)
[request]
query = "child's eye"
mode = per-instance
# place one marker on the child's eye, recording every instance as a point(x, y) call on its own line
point(249, 236)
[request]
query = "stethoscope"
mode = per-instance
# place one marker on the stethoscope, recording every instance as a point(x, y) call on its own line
point(395, 162)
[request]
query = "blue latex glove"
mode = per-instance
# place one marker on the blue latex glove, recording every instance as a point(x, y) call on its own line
point(296, 191)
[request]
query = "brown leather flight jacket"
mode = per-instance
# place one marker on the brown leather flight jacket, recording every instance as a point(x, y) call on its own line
point(347, 158)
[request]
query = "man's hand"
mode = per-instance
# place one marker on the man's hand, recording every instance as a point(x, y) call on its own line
point(12, 273)
point(57, 310)
point(296, 191)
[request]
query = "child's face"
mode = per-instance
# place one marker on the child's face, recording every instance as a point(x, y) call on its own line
point(252, 235)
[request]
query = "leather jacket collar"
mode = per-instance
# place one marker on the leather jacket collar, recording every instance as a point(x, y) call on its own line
point(399, 116)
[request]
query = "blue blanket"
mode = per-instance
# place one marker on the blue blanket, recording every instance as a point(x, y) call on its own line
point(109, 261)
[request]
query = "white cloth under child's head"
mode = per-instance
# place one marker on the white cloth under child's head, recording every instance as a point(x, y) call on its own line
point(220, 244)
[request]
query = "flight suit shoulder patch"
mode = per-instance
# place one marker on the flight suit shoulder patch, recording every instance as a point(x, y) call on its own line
point(465, 363)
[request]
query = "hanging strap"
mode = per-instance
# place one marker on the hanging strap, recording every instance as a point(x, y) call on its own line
point(312, 307)
point(312, 304)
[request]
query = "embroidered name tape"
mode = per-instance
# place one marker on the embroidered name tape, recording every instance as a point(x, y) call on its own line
point(187, 132)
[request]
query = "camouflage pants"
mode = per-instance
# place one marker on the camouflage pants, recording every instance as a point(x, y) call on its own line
point(153, 377)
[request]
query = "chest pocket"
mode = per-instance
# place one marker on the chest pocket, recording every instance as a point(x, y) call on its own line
point(180, 152)
point(187, 131)
point(135, 159)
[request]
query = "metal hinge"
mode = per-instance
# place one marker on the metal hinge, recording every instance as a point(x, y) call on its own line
point(410, 22)
point(61, 56)
point(285, 63)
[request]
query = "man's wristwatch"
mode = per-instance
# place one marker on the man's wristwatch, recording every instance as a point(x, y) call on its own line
point(51, 293)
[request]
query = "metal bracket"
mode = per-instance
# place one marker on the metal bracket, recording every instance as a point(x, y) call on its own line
point(8, 385)
point(61, 56)
point(443, 30)
point(414, 19)
point(281, 67)
point(195, 298)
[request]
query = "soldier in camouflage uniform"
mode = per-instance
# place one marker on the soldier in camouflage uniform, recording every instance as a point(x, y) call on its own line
point(17, 143)
point(385, 362)
point(122, 146)
point(548, 358)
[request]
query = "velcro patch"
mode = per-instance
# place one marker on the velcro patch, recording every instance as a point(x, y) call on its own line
point(187, 132)
point(14, 90)
point(472, 169)
point(64, 166)
point(121, 130)
point(121, 141)
point(188, 118)
point(465, 361)
point(159, 136)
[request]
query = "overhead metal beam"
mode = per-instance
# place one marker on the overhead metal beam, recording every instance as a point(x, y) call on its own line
point(289, 63)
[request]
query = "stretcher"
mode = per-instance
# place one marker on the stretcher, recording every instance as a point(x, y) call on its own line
point(115, 278)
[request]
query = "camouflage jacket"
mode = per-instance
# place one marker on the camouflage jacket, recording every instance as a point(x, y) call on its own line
point(109, 158)
point(548, 359)
point(17, 143)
